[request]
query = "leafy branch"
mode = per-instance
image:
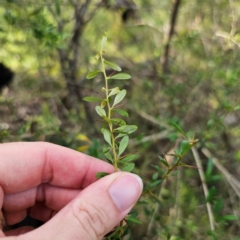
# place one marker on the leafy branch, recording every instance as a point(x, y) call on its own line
point(115, 130)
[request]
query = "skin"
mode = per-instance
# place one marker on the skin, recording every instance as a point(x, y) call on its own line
point(58, 186)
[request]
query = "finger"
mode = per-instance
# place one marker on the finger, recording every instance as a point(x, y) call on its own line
point(95, 211)
point(18, 231)
point(53, 197)
point(42, 204)
point(31, 164)
point(16, 217)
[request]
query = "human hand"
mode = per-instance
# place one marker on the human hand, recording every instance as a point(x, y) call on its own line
point(58, 186)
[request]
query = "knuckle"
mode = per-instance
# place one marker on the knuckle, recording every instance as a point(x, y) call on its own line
point(91, 219)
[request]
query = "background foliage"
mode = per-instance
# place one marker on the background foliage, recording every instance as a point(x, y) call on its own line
point(184, 59)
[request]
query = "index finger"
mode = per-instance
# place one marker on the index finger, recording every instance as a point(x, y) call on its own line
point(25, 165)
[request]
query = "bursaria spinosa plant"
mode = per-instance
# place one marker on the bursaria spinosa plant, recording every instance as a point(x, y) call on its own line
point(116, 133)
point(115, 130)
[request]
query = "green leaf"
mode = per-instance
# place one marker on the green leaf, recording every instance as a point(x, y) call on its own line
point(118, 121)
point(97, 56)
point(100, 111)
point(218, 206)
point(158, 169)
point(184, 147)
point(93, 74)
point(179, 129)
point(229, 217)
point(92, 99)
point(175, 173)
point(236, 108)
point(211, 194)
point(106, 135)
point(103, 103)
point(126, 129)
point(101, 174)
point(114, 91)
point(129, 167)
point(155, 183)
point(121, 112)
point(128, 158)
point(121, 135)
point(163, 161)
point(109, 156)
point(209, 170)
point(119, 97)
point(155, 176)
point(177, 151)
point(133, 220)
point(112, 65)
point(106, 119)
point(123, 145)
point(104, 40)
point(120, 76)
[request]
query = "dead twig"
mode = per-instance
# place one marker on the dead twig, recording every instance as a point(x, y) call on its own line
point(234, 183)
point(205, 187)
point(165, 57)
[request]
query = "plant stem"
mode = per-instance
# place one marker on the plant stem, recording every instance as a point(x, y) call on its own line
point(109, 113)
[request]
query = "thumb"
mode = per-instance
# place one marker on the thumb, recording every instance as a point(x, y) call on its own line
point(95, 211)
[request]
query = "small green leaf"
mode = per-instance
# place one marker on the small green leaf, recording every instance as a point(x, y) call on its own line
point(109, 156)
point(229, 218)
point(155, 183)
point(127, 129)
point(236, 108)
point(118, 121)
point(175, 173)
point(104, 40)
point(121, 135)
point(120, 76)
point(100, 111)
point(106, 135)
point(114, 91)
point(184, 147)
point(209, 170)
point(133, 220)
point(163, 161)
point(103, 103)
point(128, 158)
point(101, 174)
point(112, 65)
point(155, 176)
point(179, 129)
point(123, 145)
point(119, 97)
point(177, 152)
point(121, 112)
point(106, 119)
point(129, 167)
point(218, 206)
point(97, 56)
point(93, 74)
point(92, 99)
point(158, 169)
point(211, 194)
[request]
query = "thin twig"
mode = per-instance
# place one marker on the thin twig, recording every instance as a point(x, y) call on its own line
point(235, 184)
point(164, 60)
point(156, 211)
point(205, 188)
point(234, 19)
point(151, 138)
point(152, 119)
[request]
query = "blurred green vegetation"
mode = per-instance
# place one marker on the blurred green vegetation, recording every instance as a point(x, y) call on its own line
point(50, 46)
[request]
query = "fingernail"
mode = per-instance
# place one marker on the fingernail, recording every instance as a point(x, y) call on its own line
point(125, 191)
